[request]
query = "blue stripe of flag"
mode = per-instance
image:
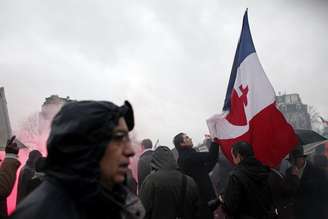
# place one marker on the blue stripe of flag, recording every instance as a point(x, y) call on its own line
point(245, 47)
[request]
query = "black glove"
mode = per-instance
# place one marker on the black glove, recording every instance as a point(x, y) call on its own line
point(11, 147)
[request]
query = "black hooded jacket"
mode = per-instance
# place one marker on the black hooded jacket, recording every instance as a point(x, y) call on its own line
point(80, 133)
point(162, 190)
point(197, 165)
point(247, 193)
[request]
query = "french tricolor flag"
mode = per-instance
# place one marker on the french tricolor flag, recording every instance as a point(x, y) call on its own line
point(249, 112)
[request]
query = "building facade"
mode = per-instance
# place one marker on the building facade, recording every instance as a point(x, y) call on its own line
point(36, 128)
point(5, 129)
point(294, 110)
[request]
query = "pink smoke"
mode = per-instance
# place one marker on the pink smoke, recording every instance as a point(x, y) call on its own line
point(33, 134)
point(23, 155)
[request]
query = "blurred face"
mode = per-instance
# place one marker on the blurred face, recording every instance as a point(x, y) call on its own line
point(187, 142)
point(114, 164)
point(299, 162)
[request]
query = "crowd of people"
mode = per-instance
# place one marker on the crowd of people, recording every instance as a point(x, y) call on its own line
point(86, 175)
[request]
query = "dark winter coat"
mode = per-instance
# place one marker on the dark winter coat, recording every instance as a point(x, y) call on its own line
point(311, 197)
point(197, 165)
point(36, 180)
point(51, 200)
point(79, 136)
point(283, 190)
point(38, 176)
point(25, 175)
point(144, 167)
point(8, 171)
point(247, 193)
point(162, 191)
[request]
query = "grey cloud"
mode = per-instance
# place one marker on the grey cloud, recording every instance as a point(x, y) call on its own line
point(171, 59)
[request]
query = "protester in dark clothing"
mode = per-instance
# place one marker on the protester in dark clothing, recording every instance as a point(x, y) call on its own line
point(38, 176)
point(167, 193)
point(311, 197)
point(8, 170)
point(197, 165)
point(26, 174)
point(144, 161)
point(283, 190)
point(247, 194)
point(88, 157)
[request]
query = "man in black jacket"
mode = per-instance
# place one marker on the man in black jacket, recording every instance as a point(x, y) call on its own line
point(197, 165)
point(247, 194)
point(167, 193)
point(311, 198)
point(88, 158)
point(283, 189)
point(144, 161)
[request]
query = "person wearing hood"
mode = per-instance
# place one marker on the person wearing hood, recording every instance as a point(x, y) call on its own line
point(26, 174)
point(88, 156)
point(197, 165)
point(38, 176)
point(167, 193)
point(247, 194)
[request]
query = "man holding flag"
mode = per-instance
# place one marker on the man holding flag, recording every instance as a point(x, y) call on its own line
point(252, 133)
point(249, 112)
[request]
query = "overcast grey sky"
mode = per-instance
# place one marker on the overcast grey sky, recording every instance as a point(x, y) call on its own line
point(171, 59)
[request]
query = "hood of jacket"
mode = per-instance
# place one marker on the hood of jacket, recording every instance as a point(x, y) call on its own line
point(163, 159)
point(80, 133)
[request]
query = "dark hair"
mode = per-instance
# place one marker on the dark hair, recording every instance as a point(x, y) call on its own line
point(146, 143)
point(242, 148)
point(33, 156)
point(178, 139)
